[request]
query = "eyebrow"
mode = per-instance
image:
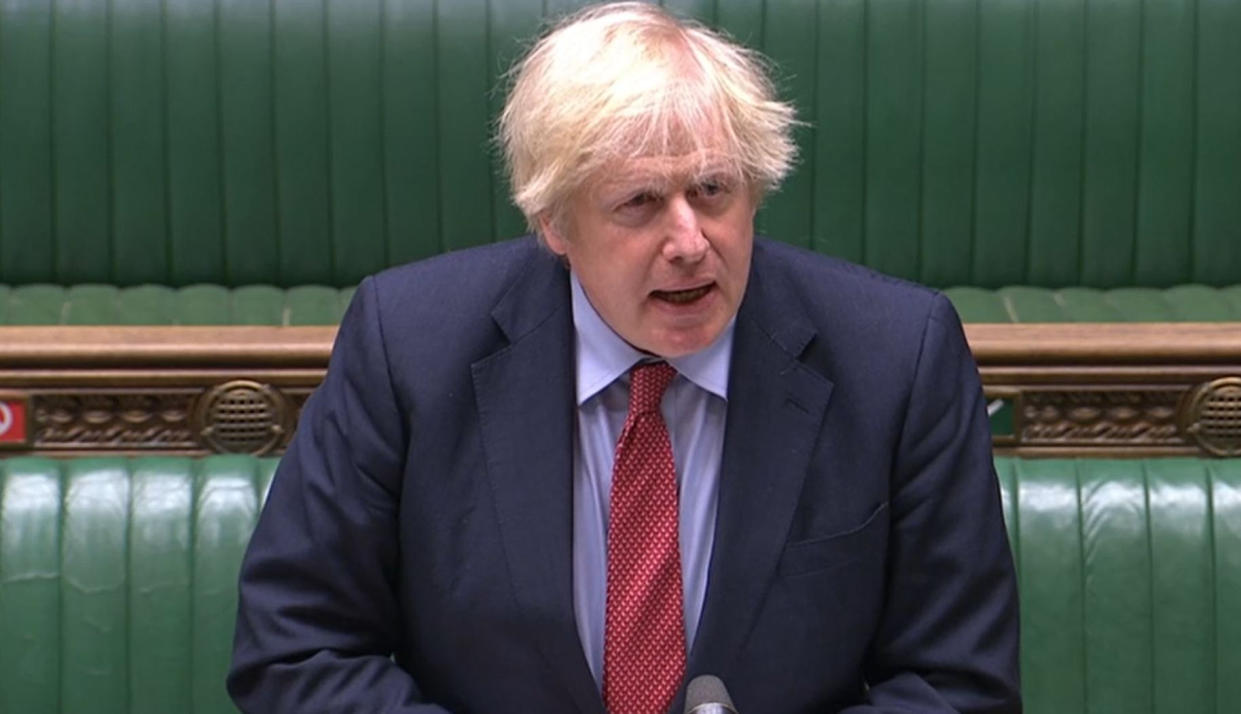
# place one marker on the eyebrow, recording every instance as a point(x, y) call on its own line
point(660, 181)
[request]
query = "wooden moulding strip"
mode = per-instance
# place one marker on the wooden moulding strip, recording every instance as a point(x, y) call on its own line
point(1150, 373)
point(156, 377)
point(1095, 451)
point(1154, 343)
point(172, 347)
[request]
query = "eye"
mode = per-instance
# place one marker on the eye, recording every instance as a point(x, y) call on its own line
point(637, 208)
point(640, 200)
point(710, 188)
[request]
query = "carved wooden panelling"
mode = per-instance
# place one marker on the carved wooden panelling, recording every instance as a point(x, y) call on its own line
point(1064, 390)
point(1145, 417)
point(239, 416)
point(99, 420)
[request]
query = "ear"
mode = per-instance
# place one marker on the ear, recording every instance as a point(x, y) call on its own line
point(552, 235)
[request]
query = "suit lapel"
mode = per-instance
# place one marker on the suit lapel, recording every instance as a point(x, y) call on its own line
point(526, 410)
point(525, 401)
point(775, 411)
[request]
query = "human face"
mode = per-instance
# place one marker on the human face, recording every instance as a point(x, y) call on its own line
point(662, 248)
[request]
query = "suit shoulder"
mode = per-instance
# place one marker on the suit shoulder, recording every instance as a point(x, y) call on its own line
point(828, 283)
point(443, 309)
point(869, 332)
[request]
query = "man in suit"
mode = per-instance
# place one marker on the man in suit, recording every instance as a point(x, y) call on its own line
point(570, 474)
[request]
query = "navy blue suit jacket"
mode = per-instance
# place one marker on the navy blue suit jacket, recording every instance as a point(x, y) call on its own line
point(414, 552)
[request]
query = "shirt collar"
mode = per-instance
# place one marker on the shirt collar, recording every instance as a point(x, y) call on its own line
point(602, 356)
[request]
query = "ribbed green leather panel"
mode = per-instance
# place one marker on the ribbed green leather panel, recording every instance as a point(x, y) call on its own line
point(1129, 577)
point(31, 498)
point(1051, 142)
point(160, 305)
point(118, 582)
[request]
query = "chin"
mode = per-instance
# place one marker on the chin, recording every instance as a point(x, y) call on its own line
point(671, 353)
point(681, 345)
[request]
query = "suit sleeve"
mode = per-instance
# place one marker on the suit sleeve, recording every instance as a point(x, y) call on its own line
point(318, 617)
point(948, 640)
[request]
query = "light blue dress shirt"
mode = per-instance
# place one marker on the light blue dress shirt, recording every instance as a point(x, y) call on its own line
point(694, 409)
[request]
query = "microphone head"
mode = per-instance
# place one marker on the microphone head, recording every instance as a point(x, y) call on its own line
point(706, 695)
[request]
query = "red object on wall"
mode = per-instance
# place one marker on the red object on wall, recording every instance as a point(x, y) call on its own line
point(13, 430)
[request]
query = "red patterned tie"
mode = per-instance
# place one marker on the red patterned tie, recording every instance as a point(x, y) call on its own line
point(644, 637)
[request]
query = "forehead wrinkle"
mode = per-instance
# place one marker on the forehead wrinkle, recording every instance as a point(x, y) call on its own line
point(654, 182)
point(660, 172)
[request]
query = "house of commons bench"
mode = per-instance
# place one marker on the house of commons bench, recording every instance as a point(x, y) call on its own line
point(118, 582)
point(189, 189)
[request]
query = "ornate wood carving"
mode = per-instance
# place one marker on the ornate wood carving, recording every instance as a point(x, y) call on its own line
point(112, 419)
point(1114, 417)
point(237, 416)
point(1132, 389)
point(1107, 389)
point(171, 390)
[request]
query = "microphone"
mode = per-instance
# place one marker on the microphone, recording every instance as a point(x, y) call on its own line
point(706, 695)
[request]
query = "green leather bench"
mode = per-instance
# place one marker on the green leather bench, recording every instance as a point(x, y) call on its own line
point(1057, 144)
point(1026, 304)
point(118, 582)
point(96, 304)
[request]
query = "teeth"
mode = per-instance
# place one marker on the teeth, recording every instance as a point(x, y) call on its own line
point(684, 296)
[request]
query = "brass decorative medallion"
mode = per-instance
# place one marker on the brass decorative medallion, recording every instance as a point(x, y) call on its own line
point(1212, 416)
point(243, 417)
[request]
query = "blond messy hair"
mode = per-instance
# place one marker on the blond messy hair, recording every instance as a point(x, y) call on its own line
point(629, 79)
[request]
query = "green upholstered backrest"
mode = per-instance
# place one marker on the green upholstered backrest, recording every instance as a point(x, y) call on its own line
point(289, 142)
point(1130, 581)
point(118, 582)
point(1182, 303)
point(43, 304)
point(95, 304)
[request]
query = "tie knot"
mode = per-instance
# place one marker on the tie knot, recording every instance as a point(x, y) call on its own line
point(647, 383)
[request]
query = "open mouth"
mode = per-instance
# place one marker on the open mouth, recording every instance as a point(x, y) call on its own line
point(682, 297)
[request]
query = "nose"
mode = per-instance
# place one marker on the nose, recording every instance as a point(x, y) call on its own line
point(685, 241)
